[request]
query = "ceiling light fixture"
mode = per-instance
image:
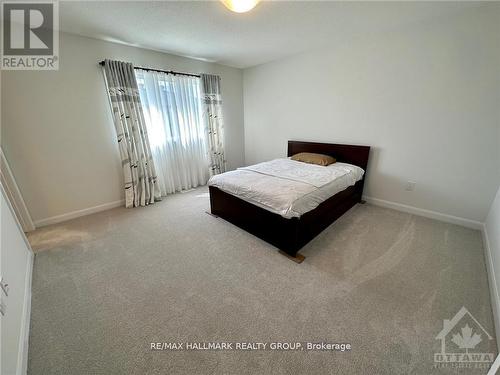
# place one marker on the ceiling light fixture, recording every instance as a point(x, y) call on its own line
point(240, 6)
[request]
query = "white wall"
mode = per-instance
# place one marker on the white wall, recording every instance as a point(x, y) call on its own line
point(16, 261)
point(492, 243)
point(427, 98)
point(57, 131)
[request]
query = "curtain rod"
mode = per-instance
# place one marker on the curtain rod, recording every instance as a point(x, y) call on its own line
point(160, 70)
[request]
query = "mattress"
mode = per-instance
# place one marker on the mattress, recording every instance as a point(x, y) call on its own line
point(287, 187)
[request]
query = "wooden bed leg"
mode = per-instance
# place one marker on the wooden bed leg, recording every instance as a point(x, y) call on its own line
point(298, 258)
point(211, 214)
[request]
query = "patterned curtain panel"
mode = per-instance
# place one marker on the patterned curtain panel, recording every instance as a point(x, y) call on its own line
point(212, 102)
point(138, 167)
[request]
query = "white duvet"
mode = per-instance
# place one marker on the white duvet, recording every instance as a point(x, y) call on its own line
point(286, 187)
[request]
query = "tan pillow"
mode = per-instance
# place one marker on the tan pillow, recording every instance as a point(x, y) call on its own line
point(311, 158)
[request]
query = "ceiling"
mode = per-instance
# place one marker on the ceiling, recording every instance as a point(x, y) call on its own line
point(274, 29)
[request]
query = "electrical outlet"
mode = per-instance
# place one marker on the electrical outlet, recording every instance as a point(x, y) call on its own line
point(410, 186)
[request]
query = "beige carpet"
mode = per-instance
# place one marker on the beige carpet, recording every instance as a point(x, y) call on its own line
point(107, 285)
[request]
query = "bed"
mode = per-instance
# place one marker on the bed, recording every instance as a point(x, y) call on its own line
point(290, 226)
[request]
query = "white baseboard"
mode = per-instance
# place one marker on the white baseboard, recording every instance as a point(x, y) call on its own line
point(426, 213)
point(78, 213)
point(495, 300)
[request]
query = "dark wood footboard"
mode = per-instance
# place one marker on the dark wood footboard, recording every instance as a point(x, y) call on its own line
point(289, 235)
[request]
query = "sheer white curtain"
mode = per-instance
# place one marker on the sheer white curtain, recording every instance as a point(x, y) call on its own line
point(173, 113)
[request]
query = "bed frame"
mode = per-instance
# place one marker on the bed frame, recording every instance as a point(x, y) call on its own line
point(290, 235)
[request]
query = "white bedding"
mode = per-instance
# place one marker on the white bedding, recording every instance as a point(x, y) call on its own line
point(286, 187)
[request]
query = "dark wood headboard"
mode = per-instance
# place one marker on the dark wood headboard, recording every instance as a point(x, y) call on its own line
point(352, 154)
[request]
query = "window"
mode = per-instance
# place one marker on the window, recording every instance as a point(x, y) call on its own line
point(173, 114)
